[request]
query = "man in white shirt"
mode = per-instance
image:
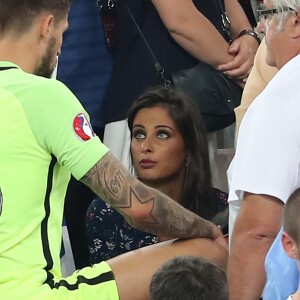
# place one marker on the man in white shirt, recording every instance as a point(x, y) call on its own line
point(266, 167)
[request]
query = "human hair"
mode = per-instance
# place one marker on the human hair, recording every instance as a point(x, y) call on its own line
point(291, 220)
point(197, 189)
point(18, 15)
point(281, 4)
point(189, 278)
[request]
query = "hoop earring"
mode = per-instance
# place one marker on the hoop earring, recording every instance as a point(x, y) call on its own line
point(186, 165)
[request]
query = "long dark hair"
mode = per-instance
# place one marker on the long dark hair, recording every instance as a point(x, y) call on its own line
point(197, 191)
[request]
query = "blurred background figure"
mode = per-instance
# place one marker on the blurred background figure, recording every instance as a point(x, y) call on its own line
point(291, 235)
point(189, 278)
point(180, 35)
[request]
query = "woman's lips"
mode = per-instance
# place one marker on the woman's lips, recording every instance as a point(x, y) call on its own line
point(147, 163)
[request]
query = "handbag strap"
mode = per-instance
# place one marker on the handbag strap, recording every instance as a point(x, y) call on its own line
point(159, 69)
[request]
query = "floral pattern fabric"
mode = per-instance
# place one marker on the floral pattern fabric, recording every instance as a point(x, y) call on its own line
point(109, 234)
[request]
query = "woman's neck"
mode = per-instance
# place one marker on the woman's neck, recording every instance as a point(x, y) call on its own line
point(173, 189)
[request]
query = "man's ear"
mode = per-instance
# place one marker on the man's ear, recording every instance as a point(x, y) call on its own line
point(296, 26)
point(46, 24)
point(289, 245)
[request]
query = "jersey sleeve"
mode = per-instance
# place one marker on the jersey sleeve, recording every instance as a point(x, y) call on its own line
point(62, 127)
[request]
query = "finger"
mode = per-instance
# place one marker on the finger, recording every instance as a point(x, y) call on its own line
point(234, 47)
point(241, 72)
point(234, 64)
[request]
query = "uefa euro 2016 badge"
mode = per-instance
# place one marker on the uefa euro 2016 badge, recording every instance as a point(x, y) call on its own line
point(83, 128)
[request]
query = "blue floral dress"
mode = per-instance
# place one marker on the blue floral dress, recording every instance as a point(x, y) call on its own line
point(109, 234)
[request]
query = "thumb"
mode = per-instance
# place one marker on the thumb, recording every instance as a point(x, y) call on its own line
point(234, 47)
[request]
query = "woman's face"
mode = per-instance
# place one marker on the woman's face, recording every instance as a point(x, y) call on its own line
point(157, 147)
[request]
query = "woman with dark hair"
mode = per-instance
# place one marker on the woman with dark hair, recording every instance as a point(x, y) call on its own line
point(169, 152)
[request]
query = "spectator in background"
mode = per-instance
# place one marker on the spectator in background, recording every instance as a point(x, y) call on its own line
point(265, 168)
point(276, 263)
point(189, 278)
point(291, 235)
point(180, 35)
point(85, 67)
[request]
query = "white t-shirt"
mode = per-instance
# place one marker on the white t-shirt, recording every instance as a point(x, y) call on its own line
point(289, 298)
point(267, 158)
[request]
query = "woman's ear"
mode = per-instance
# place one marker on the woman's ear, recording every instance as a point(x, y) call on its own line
point(289, 246)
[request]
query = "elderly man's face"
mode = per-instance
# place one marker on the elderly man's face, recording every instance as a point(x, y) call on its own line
point(276, 40)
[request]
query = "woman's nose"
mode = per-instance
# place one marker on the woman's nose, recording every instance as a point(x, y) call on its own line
point(147, 145)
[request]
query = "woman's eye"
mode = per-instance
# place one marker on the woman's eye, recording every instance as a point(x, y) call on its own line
point(139, 135)
point(163, 135)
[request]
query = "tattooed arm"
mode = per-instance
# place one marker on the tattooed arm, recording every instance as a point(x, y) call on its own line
point(145, 208)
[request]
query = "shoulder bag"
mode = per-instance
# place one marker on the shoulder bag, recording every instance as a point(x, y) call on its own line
point(215, 95)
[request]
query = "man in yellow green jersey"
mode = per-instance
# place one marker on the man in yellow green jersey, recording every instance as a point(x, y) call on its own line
point(45, 136)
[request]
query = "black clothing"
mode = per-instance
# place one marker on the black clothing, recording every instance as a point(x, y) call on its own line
point(133, 69)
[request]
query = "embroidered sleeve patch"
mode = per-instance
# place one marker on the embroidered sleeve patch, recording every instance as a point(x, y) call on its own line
point(83, 128)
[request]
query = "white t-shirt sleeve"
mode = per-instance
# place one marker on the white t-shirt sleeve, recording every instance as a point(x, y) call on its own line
point(268, 153)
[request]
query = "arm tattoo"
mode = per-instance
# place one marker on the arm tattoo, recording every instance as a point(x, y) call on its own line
point(113, 183)
point(145, 208)
point(106, 179)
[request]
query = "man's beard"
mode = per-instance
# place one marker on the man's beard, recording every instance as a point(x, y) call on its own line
point(46, 67)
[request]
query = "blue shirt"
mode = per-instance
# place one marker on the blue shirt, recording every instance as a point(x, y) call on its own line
point(85, 63)
point(282, 273)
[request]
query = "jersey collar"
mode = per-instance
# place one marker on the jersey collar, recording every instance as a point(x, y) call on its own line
point(8, 65)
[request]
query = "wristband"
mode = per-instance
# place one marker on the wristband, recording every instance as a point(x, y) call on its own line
point(250, 32)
